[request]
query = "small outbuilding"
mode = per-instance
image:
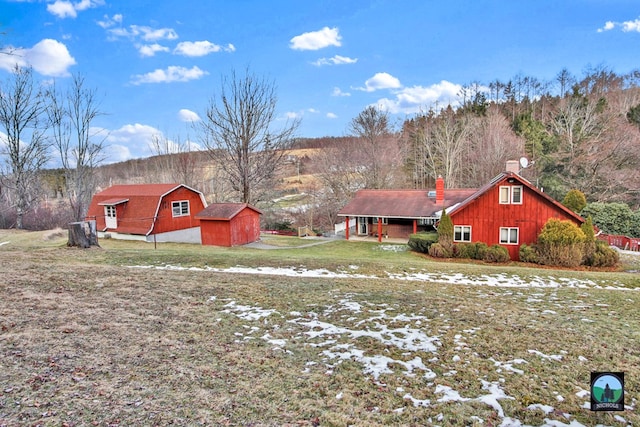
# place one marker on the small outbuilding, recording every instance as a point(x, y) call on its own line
point(229, 224)
point(149, 212)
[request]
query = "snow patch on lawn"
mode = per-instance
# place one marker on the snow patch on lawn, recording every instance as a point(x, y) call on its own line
point(490, 280)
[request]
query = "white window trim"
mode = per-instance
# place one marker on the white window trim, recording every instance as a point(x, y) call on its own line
point(462, 228)
point(509, 200)
point(178, 204)
point(110, 211)
point(508, 241)
point(521, 191)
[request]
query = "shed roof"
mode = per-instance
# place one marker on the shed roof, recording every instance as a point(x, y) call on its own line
point(224, 211)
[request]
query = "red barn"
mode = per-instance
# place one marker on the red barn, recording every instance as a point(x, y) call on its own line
point(150, 212)
point(508, 211)
point(229, 224)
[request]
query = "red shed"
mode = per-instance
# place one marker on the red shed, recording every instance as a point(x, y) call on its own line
point(229, 224)
point(160, 212)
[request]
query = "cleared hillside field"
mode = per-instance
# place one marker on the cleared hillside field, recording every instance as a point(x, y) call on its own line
point(340, 333)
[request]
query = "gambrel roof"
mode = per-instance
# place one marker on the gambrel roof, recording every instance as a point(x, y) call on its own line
point(142, 205)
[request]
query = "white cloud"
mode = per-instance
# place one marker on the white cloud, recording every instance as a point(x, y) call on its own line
point(312, 110)
point(414, 99)
point(201, 48)
point(332, 116)
point(315, 40)
point(171, 74)
point(110, 22)
point(381, 81)
point(626, 26)
point(292, 115)
point(188, 116)
point(131, 141)
point(631, 26)
point(145, 33)
point(336, 60)
point(337, 92)
point(47, 57)
point(115, 153)
point(66, 9)
point(151, 49)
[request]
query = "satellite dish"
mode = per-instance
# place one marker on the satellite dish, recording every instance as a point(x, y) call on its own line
point(524, 162)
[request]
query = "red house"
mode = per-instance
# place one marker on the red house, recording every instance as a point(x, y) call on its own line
point(150, 212)
point(229, 224)
point(508, 211)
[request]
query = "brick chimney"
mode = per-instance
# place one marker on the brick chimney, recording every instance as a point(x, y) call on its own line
point(439, 189)
point(513, 166)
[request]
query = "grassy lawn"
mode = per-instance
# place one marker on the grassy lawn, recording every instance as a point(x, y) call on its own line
point(342, 333)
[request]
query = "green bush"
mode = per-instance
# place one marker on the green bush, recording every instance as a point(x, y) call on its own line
point(470, 250)
point(464, 250)
point(575, 200)
point(420, 242)
point(481, 249)
point(437, 250)
point(561, 243)
point(445, 231)
point(497, 253)
point(528, 253)
point(613, 218)
point(604, 255)
point(589, 241)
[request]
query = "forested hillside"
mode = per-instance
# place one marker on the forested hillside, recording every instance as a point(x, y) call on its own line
point(577, 133)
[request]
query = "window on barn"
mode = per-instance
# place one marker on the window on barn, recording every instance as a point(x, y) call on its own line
point(461, 233)
point(511, 194)
point(110, 211)
point(180, 208)
point(509, 235)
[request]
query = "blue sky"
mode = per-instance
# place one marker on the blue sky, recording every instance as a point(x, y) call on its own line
point(157, 64)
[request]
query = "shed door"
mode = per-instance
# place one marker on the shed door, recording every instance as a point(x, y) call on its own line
point(110, 219)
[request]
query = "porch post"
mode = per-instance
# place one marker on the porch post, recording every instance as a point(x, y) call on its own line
point(347, 230)
point(415, 226)
point(379, 229)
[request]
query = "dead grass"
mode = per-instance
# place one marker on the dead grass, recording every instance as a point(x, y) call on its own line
point(85, 340)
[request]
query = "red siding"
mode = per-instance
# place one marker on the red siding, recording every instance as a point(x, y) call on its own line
point(486, 216)
point(243, 228)
point(215, 232)
point(167, 222)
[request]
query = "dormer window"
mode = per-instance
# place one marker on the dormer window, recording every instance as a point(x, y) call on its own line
point(511, 194)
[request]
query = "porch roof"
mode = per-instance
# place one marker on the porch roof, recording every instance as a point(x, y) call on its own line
point(409, 204)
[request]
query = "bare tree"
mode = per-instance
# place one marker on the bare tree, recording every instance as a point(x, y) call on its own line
point(80, 148)
point(22, 118)
point(445, 143)
point(378, 146)
point(176, 161)
point(492, 143)
point(239, 135)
